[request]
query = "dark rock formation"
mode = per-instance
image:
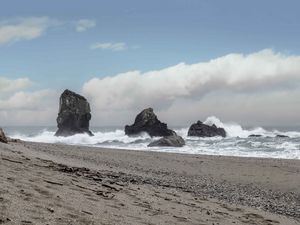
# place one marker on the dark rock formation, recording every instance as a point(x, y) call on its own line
point(281, 136)
point(74, 115)
point(14, 140)
point(255, 135)
point(147, 121)
point(3, 138)
point(200, 129)
point(170, 141)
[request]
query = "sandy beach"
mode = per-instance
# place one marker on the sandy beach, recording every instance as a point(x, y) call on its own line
point(61, 184)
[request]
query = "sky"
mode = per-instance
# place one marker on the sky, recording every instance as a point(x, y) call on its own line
point(188, 59)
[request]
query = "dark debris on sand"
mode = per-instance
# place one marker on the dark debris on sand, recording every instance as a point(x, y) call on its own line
point(287, 204)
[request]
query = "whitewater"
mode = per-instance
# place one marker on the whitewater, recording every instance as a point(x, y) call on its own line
point(237, 142)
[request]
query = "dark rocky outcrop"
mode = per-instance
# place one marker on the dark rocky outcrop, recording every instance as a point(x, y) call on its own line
point(3, 138)
point(74, 115)
point(200, 129)
point(282, 136)
point(170, 141)
point(146, 121)
point(254, 135)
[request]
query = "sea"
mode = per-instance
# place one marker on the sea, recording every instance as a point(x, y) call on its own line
point(237, 142)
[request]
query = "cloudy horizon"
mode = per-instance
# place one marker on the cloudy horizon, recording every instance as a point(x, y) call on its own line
point(262, 88)
point(217, 61)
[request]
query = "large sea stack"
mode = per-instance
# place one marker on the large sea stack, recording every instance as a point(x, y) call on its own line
point(200, 129)
point(74, 114)
point(146, 121)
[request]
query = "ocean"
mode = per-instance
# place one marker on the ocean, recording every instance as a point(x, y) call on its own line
point(237, 142)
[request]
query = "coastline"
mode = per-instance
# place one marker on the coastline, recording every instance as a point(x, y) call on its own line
point(147, 187)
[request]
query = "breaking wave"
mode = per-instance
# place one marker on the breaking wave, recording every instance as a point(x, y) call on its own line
point(265, 143)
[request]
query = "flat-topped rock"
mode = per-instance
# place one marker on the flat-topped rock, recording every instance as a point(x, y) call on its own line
point(74, 114)
point(200, 129)
point(147, 121)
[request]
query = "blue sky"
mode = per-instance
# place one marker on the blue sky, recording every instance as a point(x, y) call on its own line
point(202, 54)
point(158, 33)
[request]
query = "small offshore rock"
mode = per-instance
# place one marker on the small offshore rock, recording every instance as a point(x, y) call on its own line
point(255, 135)
point(169, 141)
point(281, 136)
point(200, 129)
point(146, 121)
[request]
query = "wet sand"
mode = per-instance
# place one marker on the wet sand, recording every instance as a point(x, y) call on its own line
point(61, 184)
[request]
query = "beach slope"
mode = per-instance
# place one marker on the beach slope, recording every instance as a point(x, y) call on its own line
point(61, 184)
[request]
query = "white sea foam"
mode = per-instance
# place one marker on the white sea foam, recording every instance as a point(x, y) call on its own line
point(236, 143)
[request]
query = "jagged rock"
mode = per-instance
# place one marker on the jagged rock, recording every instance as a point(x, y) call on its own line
point(255, 135)
point(146, 121)
point(3, 138)
point(200, 129)
point(74, 115)
point(170, 141)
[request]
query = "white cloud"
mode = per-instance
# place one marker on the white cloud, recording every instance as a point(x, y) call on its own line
point(24, 29)
point(263, 71)
point(7, 85)
point(29, 108)
point(85, 24)
point(272, 109)
point(118, 46)
point(20, 107)
point(27, 100)
point(261, 88)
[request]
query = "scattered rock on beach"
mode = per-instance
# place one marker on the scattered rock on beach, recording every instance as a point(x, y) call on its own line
point(200, 129)
point(171, 141)
point(3, 138)
point(146, 121)
point(74, 114)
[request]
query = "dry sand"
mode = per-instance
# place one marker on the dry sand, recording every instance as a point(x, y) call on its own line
point(60, 184)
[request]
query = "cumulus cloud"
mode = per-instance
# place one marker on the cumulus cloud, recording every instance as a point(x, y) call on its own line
point(280, 108)
point(264, 72)
point(23, 29)
point(8, 85)
point(118, 46)
point(27, 100)
point(29, 108)
point(262, 88)
point(19, 106)
point(85, 24)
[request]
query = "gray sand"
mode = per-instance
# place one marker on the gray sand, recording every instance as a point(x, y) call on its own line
point(39, 184)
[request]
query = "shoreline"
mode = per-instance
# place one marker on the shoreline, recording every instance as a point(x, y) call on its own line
point(150, 149)
point(267, 186)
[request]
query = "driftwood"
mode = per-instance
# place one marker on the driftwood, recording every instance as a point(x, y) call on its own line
point(10, 160)
point(53, 182)
point(87, 212)
point(111, 187)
